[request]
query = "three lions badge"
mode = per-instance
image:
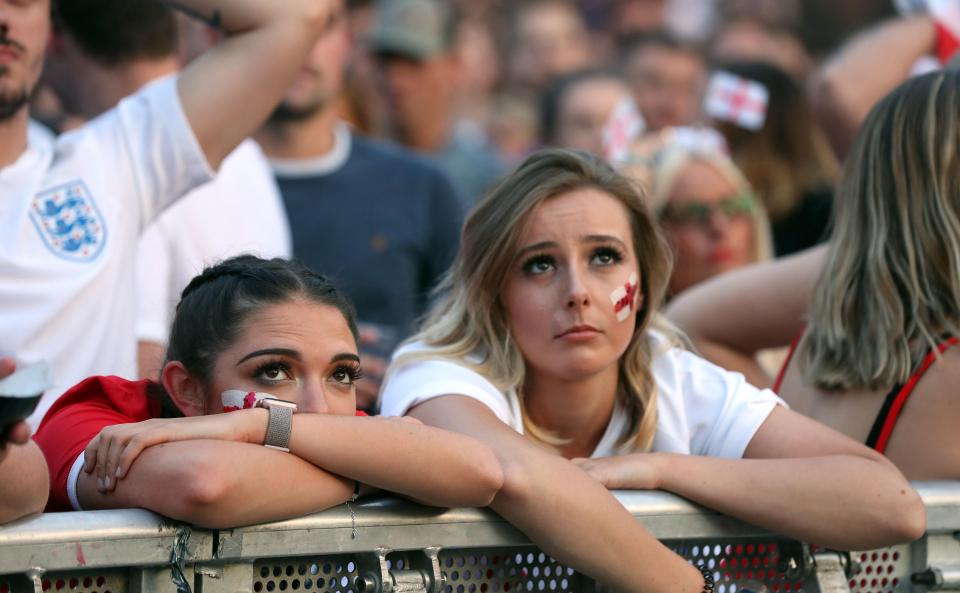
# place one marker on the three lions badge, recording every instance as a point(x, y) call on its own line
point(69, 222)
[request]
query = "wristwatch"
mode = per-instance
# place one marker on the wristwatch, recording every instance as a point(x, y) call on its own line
point(279, 424)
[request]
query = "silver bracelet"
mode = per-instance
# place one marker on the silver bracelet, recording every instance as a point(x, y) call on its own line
point(709, 585)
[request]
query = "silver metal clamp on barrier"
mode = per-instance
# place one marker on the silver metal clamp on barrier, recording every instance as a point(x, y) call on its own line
point(938, 578)
point(832, 571)
point(423, 576)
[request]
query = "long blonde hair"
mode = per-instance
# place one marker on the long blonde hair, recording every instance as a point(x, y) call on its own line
point(891, 283)
point(469, 323)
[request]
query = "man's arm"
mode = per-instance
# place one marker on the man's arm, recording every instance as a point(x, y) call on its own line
point(24, 481)
point(229, 91)
point(864, 71)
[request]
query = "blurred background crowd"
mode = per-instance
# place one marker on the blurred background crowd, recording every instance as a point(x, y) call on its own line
point(706, 102)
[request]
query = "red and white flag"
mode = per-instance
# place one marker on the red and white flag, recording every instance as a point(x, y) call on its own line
point(237, 399)
point(740, 101)
point(624, 126)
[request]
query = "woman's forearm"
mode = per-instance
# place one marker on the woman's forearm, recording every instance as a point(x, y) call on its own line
point(392, 454)
point(578, 522)
point(563, 510)
point(839, 501)
point(219, 484)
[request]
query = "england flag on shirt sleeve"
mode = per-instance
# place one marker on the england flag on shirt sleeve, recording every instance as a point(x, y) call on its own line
point(738, 100)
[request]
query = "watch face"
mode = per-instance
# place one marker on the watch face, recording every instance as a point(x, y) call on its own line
point(280, 403)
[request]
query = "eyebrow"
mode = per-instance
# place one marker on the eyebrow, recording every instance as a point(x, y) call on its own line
point(270, 352)
point(345, 356)
point(294, 354)
point(586, 239)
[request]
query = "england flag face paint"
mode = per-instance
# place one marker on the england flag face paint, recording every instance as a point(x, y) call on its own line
point(237, 399)
point(624, 298)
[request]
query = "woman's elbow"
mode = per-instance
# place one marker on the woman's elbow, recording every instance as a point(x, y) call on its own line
point(474, 484)
point(489, 479)
point(202, 496)
point(909, 522)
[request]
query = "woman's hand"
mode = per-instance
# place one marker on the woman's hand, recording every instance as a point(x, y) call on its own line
point(113, 451)
point(637, 471)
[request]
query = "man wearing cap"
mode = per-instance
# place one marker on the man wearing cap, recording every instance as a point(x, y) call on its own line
point(380, 220)
point(413, 41)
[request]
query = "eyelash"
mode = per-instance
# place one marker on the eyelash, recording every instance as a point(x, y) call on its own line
point(533, 260)
point(354, 372)
point(615, 255)
point(270, 365)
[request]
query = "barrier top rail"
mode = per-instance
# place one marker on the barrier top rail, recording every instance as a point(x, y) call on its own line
point(58, 541)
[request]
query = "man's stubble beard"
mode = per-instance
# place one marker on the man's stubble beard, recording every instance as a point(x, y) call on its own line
point(11, 102)
point(288, 114)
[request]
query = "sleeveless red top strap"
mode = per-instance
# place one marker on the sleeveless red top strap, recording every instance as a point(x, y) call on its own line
point(786, 361)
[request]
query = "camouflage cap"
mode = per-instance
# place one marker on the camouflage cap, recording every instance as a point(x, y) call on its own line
point(416, 29)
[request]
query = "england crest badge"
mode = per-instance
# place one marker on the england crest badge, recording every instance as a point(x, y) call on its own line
point(69, 222)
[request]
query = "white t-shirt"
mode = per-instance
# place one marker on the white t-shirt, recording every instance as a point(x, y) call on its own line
point(240, 211)
point(71, 210)
point(702, 409)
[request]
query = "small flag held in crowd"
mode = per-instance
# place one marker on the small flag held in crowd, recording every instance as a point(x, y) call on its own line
point(740, 101)
point(624, 126)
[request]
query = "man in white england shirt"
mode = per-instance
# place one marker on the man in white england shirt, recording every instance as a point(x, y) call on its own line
point(72, 209)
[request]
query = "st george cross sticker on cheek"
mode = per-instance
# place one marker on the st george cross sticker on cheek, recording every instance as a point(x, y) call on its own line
point(624, 298)
point(237, 399)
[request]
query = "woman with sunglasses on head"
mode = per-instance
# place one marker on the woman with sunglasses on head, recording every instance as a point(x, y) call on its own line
point(546, 345)
point(262, 352)
point(709, 214)
point(711, 218)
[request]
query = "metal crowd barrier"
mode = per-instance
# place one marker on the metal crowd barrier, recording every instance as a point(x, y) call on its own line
point(391, 546)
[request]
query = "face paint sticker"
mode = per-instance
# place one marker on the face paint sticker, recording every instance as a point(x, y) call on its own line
point(237, 399)
point(624, 297)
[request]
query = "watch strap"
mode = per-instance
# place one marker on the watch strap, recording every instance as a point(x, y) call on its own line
point(278, 428)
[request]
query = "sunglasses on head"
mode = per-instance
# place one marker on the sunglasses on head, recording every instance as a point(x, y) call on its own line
point(699, 213)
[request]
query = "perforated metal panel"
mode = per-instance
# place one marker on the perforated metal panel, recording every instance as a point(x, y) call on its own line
point(754, 565)
point(114, 581)
point(880, 571)
point(517, 570)
point(322, 574)
point(506, 570)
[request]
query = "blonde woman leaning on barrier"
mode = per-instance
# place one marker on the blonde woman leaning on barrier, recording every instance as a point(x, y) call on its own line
point(873, 308)
point(546, 346)
point(245, 332)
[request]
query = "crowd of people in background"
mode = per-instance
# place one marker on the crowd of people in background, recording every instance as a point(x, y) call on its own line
point(627, 232)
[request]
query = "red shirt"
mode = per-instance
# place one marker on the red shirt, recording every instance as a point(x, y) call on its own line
point(79, 415)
